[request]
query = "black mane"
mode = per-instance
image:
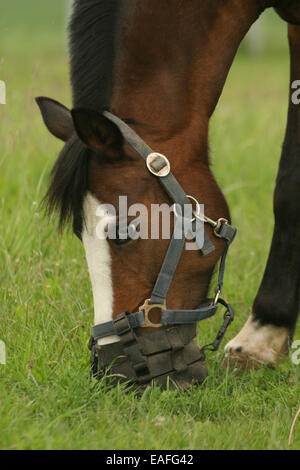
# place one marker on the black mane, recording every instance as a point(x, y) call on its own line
point(69, 184)
point(93, 29)
point(93, 32)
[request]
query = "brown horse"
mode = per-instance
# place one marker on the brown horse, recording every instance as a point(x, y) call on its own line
point(160, 67)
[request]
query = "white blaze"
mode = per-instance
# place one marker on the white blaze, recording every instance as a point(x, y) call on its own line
point(99, 265)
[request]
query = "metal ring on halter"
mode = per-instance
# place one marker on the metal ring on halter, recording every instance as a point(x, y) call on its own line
point(146, 308)
point(198, 211)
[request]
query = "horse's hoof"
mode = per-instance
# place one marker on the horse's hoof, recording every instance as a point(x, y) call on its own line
point(243, 362)
point(256, 345)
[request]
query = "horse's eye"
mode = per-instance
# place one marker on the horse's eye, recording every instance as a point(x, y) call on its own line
point(122, 236)
point(124, 232)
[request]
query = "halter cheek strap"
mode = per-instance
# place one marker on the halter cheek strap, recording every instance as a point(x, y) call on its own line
point(125, 323)
point(159, 166)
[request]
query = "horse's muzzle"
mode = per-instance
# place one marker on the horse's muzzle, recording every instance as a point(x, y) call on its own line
point(167, 357)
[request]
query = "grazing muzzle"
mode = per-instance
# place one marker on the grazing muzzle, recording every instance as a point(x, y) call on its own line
point(167, 356)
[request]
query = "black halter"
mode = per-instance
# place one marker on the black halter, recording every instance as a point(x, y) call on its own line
point(159, 166)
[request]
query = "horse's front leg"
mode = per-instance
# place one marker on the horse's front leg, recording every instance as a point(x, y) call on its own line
point(266, 334)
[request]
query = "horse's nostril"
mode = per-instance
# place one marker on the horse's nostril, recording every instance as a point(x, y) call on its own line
point(239, 349)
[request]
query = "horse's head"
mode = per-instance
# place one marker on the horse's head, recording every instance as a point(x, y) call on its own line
point(95, 168)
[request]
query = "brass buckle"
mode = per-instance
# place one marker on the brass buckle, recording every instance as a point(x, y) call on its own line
point(146, 308)
point(158, 164)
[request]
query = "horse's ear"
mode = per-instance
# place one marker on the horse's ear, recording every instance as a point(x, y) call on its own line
point(57, 118)
point(95, 130)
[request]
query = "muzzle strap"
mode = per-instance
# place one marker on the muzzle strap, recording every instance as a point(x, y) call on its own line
point(169, 317)
point(131, 346)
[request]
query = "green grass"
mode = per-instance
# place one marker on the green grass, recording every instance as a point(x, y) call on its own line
point(46, 398)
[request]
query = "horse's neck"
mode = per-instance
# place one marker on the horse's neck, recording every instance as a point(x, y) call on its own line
point(173, 63)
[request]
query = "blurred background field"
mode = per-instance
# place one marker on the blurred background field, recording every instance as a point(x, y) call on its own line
point(46, 400)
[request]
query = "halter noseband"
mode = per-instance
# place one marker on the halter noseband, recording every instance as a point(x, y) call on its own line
point(126, 323)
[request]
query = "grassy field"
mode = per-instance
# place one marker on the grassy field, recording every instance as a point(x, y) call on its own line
point(46, 398)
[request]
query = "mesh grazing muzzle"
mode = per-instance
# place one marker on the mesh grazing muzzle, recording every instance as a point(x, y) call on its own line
point(169, 357)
